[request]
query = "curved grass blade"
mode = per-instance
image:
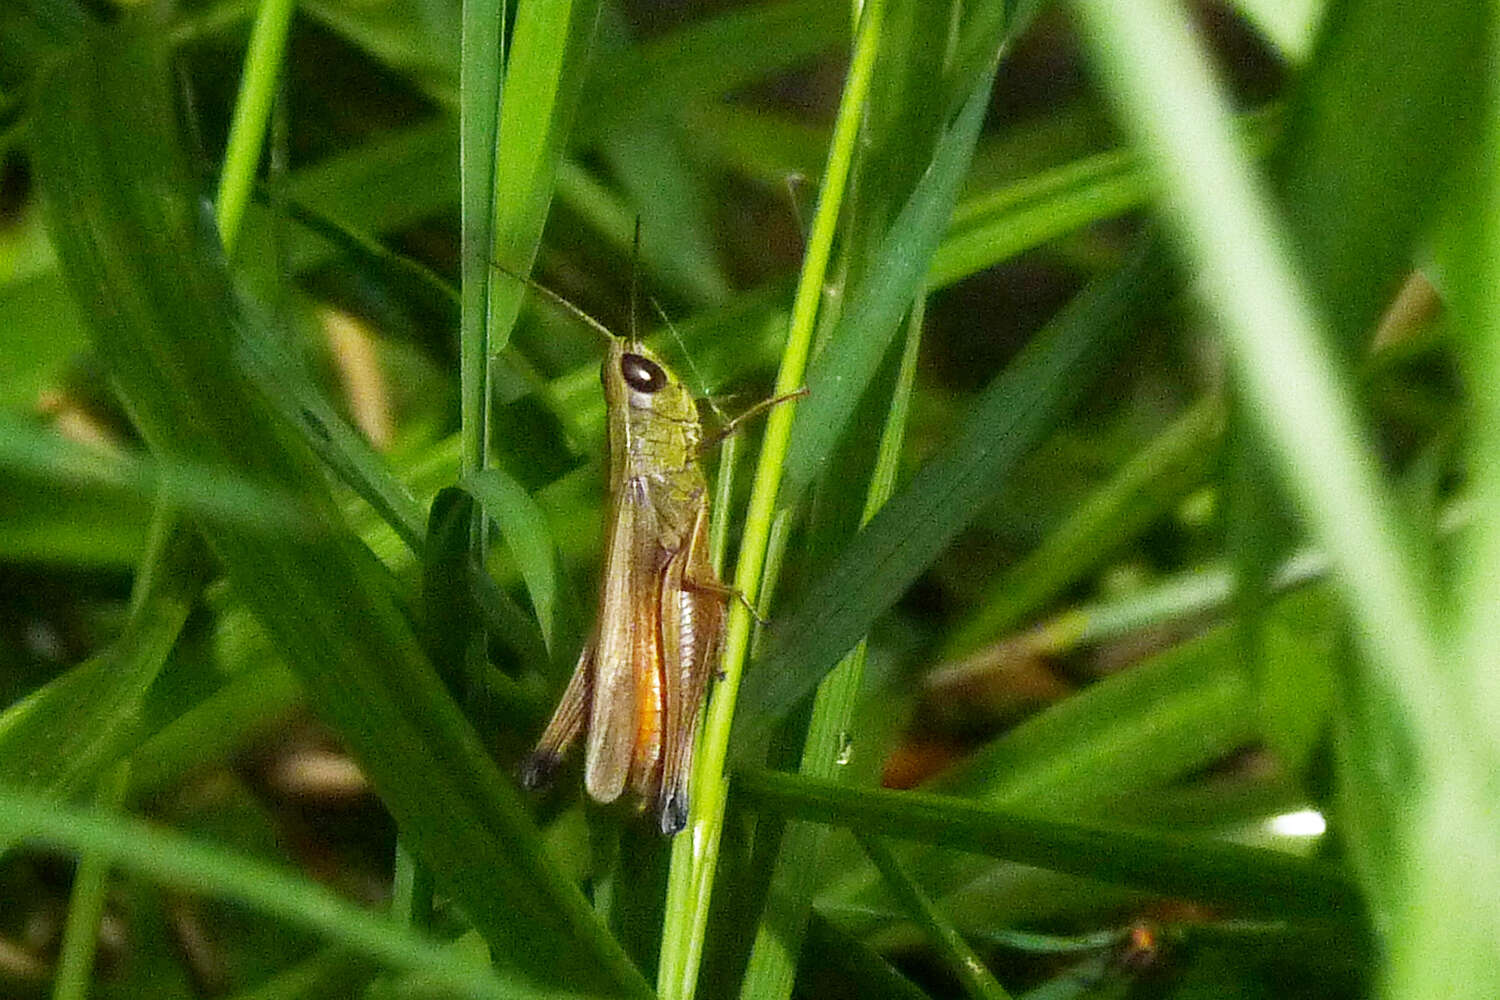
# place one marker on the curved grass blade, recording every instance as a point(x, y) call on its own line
point(194, 867)
point(166, 322)
point(64, 736)
point(877, 566)
point(524, 528)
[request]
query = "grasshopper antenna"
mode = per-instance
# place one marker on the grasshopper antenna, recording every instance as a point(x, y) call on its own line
point(635, 281)
point(730, 424)
point(558, 300)
point(688, 358)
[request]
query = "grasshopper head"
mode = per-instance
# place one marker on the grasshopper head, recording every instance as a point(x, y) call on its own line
point(637, 380)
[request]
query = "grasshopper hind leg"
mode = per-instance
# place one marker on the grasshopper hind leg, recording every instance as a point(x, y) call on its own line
point(538, 767)
point(692, 637)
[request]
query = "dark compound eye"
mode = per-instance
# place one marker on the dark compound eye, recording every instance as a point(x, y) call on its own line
point(642, 374)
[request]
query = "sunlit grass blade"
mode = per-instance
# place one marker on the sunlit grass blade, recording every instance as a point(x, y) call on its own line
point(1296, 397)
point(843, 368)
point(1452, 912)
point(695, 856)
point(247, 130)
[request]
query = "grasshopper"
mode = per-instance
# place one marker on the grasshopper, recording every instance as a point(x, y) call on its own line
point(637, 691)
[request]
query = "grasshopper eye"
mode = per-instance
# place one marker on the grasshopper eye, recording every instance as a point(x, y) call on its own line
point(642, 374)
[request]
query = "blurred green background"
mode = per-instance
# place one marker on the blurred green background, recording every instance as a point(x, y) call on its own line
point(1127, 573)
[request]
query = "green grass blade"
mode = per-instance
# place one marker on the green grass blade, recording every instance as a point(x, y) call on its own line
point(695, 855)
point(845, 365)
point(194, 867)
point(523, 527)
point(838, 960)
point(976, 980)
point(1146, 486)
point(1142, 731)
point(252, 113)
point(390, 182)
point(1296, 397)
point(1297, 400)
point(675, 208)
point(1168, 717)
point(254, 704)
point(544, 73)
point(994, 225)
point(1451, 911)
point(75, 960)
point(480, 90)
point(1204, 590)
point(61, 466)
point(305, 411)
point(452, 557)
point(1375, 120)
point(65, 736)
point(879, 564)
point(830, 737)
point(1254, 878)
point(169, 327)
point(1388, 104)
point(458, 596)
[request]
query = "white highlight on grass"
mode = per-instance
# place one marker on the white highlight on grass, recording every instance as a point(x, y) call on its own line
point(1302, 823)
